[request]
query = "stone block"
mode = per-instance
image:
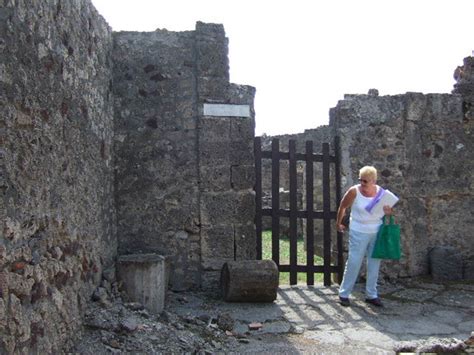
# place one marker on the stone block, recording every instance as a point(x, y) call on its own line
point(245, 242)
point(227, 207)
point(217, 246)
point(242, 129)
point(212, 57)
point(241, 94)
point(241, 153)
point(214, 129)
point(445, 263)
point(216, 178)
point(144, 278)
point(214, 153)
point(245, 209)
point(249, 281)
point(242, 177)
point(218, 208)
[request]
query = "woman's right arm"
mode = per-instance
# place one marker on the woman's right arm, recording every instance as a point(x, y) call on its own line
point(346, 202)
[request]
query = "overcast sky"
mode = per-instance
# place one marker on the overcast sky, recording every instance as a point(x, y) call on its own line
point(304, 55)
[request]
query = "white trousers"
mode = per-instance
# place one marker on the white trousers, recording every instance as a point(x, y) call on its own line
point(360, 245)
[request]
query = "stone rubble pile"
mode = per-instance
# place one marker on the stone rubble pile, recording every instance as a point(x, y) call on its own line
point(201, 323)
point(438, 346)
point(114, 326)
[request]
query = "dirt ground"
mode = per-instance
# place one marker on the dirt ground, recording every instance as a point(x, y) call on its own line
point(418, 317)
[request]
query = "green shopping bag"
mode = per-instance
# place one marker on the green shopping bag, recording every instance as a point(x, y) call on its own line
point(387, 245)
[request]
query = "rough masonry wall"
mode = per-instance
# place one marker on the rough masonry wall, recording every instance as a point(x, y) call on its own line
point(226, 161)
point(464, 76)
point(157, 189)
point(423, 150)
point(179, 173)
point(422, 146)
point(56, 184)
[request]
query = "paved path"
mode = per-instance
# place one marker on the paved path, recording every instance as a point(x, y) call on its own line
point(417, 315)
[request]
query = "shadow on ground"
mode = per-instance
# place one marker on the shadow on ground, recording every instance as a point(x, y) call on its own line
point(419, 316)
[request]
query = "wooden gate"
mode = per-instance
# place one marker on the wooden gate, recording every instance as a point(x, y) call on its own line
point(309, 214)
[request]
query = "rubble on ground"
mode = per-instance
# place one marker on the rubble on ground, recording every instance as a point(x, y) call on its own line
point(201, 323)
point(114, 326)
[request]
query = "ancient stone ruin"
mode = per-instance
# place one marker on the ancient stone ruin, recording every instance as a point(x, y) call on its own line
point(125, 143)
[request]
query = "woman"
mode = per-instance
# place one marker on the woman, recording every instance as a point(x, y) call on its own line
point(362, 235)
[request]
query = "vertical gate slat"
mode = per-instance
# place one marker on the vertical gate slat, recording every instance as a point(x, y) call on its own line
point(258, 194)
point(293, 214)
point(309, 209)
point(327, 217)
point(337, 172)
point(276, 201)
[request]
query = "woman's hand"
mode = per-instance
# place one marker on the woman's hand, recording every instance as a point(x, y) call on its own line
point(341, 228)
point(387, 210)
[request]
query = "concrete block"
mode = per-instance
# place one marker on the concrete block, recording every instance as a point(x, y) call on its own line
point(144, 278)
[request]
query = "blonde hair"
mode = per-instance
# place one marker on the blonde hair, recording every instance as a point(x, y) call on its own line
point(368, 171)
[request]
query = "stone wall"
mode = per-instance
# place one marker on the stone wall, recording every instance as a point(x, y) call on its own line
point(148, 125)
point(420, 145)
point(157, 190)
point(56, 180)
point(94, 122)
point(182, 158)
point(184, 176)
point(464, 76)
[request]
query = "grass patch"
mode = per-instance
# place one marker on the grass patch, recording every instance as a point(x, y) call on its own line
point(285, 257)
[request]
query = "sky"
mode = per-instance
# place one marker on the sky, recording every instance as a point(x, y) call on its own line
point(303, 56)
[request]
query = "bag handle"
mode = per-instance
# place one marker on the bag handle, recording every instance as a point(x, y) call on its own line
point(391, 221)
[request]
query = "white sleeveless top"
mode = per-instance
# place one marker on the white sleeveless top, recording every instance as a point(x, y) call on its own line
point(361, 220)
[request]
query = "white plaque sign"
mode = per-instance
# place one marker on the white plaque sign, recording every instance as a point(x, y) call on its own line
point(226, 110)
